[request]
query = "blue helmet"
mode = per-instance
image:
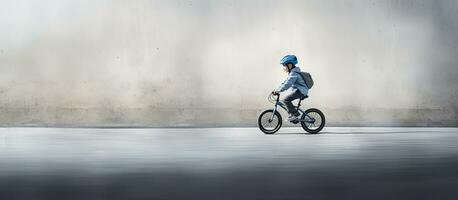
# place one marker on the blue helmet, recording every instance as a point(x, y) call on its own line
point(289, 59)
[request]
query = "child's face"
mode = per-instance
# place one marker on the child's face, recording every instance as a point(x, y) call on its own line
point(285, 68)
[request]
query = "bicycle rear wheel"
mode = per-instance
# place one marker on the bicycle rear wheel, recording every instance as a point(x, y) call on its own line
point(316, 122)
point(267, 125)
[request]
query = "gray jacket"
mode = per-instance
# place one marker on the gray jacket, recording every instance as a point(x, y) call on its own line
point(294, 81)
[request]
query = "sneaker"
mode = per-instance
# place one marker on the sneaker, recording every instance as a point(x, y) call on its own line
point(292, 118)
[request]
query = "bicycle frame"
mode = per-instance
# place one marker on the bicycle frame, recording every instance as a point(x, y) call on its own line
point(308, 119)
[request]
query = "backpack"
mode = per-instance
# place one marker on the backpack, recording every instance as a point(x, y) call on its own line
point(307, 79)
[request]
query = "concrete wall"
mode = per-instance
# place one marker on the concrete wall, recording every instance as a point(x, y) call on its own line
point(212, 63)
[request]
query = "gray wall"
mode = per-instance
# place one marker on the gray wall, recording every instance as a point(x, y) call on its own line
point(205, 63)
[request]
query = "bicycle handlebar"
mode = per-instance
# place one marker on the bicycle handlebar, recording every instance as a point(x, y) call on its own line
point(271, 97)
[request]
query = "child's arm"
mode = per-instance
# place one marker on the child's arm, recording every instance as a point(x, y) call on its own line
point(292, 77)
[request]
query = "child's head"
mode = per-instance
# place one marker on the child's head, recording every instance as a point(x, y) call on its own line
point(288, 62)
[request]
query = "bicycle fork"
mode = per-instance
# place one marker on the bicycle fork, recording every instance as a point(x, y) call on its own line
point(273, 113)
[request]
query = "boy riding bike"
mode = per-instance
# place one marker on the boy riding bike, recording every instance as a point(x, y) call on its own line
point(294, 81)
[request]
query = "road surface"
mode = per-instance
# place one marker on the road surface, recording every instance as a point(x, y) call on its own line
point(228, 163)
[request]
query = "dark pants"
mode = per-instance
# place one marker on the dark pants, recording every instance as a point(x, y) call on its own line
point(288, 101)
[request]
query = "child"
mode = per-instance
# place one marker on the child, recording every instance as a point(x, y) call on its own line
point(294, 81)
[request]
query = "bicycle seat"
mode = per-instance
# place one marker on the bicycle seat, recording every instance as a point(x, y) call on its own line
point(304, 97)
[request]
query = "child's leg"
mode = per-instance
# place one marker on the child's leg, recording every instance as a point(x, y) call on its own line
point(288, 101)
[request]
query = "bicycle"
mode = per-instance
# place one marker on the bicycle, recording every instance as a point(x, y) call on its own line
point(312, 120)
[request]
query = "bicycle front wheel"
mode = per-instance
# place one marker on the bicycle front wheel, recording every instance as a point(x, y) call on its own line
point(269, 124)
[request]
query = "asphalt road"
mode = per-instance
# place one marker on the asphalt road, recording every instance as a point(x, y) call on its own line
point(228, 163)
